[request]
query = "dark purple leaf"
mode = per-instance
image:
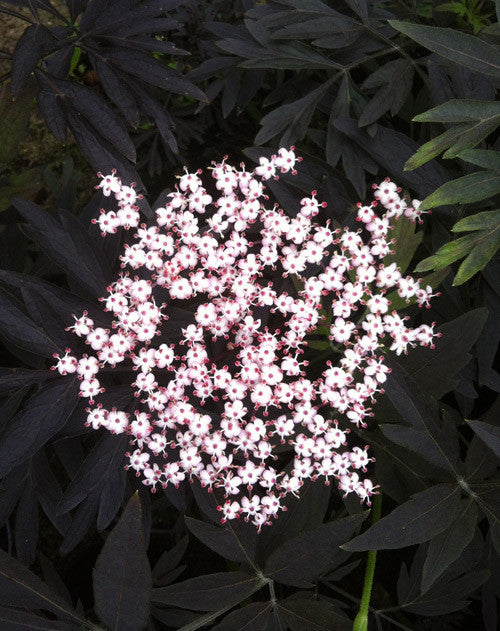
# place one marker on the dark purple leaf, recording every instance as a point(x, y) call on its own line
point(152, 71)
point(81, 521)
point(169, 560)
point(43, 416)
point(19, 329)
point(49, 491)
point(300, 560)
point(434, 371)
point(112, 494)
point(446, 547)
point(209, 592)
point(98, 153)
point(301, 515)
point(122, 576)
point(489, 434)
point(391, 149)
point(10, 406)
point(253, 617)
point(11, 489)
point(43, 314)
point(21, 588)
point(94, 108)
point(426, 436)
point(13, 378)
point(52, 578)
point(106, 457)
point(16, 620)
point(26, 532)
point(117, 90)
point(58, 246)
point(425, 515)
point(53, 114)
point(64, 303)
point(221, 539)
point(35, 41)
point(305, 614)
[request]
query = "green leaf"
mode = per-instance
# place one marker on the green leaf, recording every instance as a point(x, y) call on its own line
point(473, 136)
point(481, 254)
point(465, 190)
point(434, 280)
point(406, 243)
point(448, 253)
point(434, 147)
point(486, 158)
point(479, 247)
point(460, 111)
point(446, 547)
point(419, 519)
point(488, 220)
point(461, 48)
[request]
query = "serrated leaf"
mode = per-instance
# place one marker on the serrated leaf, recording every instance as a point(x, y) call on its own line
point(482, 252)
point(434, 370)
point(407, 241)
point(460, 111)
point(78, 262)
point(122, 576)
point(425, 436)
point(461, 48)
point(219, 539)
point(21, 588)
point(14, 119)
point(449, 545)
point(293, 117)
point(306, 614)
point(425, 515)
point(93, 107)
point(391, 149)
point(52, 112)
point(434, 147)
point(35, 41)
point(486, 158)
point(156, 73)
point(489, 434)
point(303, 558)
point(465, 190)
point(253, 617)
point(472, 137)
point(488, 220)
point(13, 378)
point(16, 620)
point(210, 592)
point(44, 414)
point(106, 457)
point(22, 331)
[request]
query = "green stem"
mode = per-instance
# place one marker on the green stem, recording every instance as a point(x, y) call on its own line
point(361, 620)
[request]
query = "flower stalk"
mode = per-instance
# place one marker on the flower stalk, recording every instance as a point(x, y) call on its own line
point(361, 620)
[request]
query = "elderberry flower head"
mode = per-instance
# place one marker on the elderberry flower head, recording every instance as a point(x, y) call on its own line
point(232, 402)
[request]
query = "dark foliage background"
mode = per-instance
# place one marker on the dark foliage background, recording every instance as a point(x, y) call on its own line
point(365, 89)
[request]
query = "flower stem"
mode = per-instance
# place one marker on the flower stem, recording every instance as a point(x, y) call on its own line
point(361, 620)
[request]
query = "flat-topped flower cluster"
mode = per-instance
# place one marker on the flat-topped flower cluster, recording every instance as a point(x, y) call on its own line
point(230, 401)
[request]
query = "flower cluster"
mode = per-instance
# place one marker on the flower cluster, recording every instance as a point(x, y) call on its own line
point(228, 400)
